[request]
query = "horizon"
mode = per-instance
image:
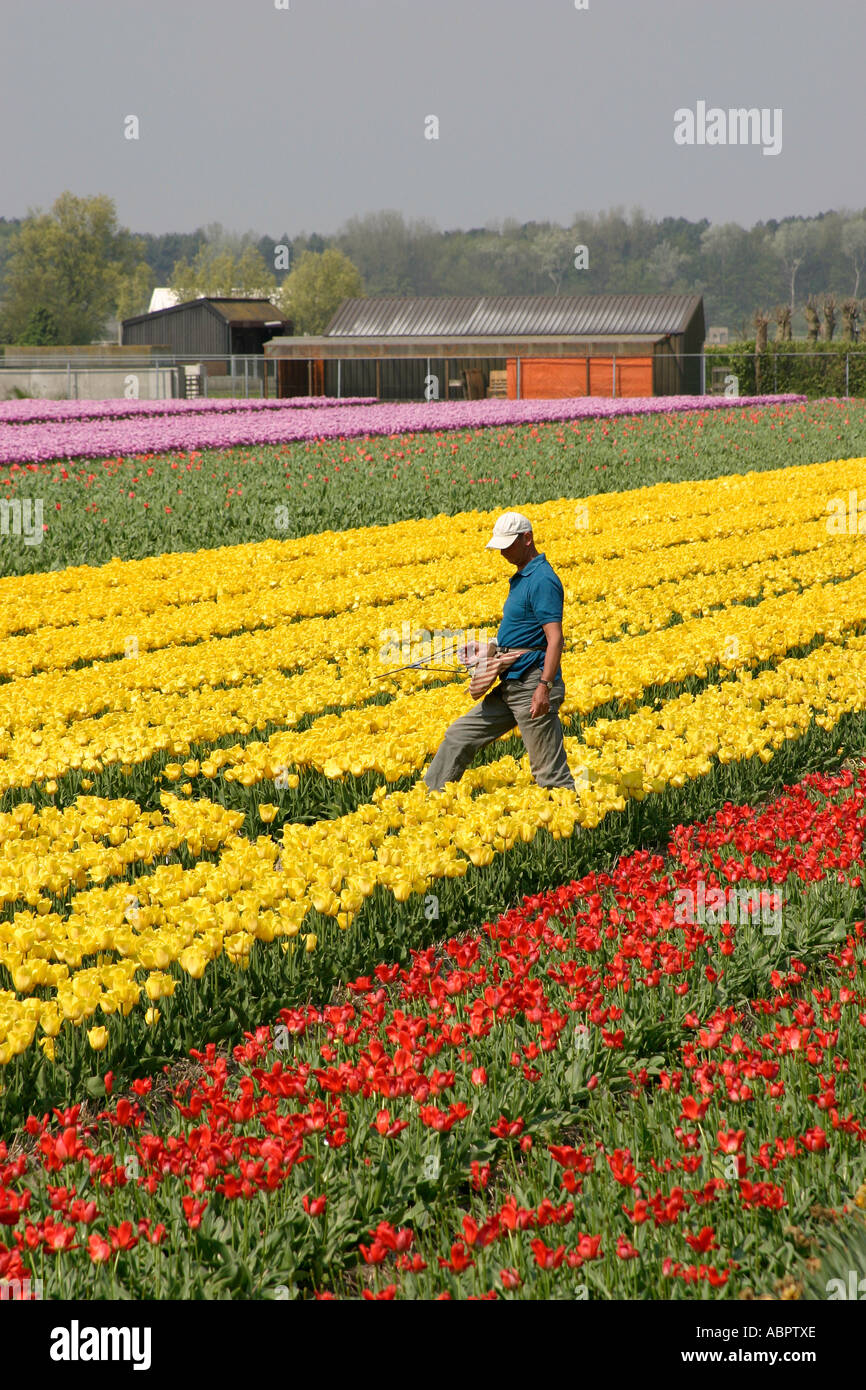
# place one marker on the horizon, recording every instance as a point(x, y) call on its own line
point(240, 233)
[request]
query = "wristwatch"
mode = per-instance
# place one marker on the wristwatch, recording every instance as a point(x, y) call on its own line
point(549, 684)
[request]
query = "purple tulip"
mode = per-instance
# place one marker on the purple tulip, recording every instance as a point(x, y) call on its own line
point(227, 425)
point(29, 412)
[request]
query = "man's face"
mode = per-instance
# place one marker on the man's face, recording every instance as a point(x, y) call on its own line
point(518, 549)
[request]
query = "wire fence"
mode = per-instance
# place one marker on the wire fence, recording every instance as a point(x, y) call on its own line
point(719, 371)
point(142, 377)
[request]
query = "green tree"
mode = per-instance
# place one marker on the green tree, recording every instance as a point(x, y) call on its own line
point(665, 266)
point(316, 287)
point(555, 250)
point(724, 249)
point(792, 244)
point(40, 329)
point(854, 247)
point(220, 271)
point(134, 291)
point(8, 229)
point(393, 256)
point(71, 262)
point(163, 252)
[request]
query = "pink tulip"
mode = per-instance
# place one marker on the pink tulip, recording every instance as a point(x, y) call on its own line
point(239, 423)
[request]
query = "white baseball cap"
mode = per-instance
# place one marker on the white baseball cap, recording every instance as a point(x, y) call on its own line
point(508, 527)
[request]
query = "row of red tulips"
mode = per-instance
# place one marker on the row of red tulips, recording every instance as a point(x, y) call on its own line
point(589, 1097)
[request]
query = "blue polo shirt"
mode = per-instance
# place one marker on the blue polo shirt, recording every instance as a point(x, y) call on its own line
point(535, 597)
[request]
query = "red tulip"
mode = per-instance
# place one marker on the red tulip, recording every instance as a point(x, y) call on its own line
point(123, 1236)
point(545, 1257)
point(625, 1250)
point(459, 1259)
point(704, 1241)
point(99, 1248)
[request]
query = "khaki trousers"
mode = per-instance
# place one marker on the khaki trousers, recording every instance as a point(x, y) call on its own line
point(507, 704)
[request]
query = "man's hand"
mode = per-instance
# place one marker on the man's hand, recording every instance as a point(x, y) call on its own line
point(540, 701)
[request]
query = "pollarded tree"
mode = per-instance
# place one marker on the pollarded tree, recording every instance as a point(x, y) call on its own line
point(829, 308)
point(813, 329)
point(783, 323)
point(761, 320)
point(850, 314)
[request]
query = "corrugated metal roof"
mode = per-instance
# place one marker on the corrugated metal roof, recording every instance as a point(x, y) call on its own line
point(507, 315)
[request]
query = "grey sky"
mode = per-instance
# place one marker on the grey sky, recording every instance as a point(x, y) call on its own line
point(291, 120)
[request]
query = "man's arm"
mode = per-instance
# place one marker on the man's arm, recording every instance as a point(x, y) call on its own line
point(555, 642)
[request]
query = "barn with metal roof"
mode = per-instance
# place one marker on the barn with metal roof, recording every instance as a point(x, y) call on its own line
point(209, 327)
point(530, 346)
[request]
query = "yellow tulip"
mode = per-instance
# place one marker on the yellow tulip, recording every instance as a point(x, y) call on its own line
point(193, 962)
point(50, 1020)
point(158, 985)
point(98, 1038)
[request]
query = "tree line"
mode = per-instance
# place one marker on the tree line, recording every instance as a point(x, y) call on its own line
point(65, 274)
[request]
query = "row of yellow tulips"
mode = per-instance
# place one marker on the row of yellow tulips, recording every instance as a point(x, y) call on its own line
point(631, 593)
point(138, 587)
point(252, 586)
point(128, 725)
point(398, 738)
point(44, 852)
point(402, 841)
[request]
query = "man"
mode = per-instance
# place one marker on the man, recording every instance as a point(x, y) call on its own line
point(530, 689)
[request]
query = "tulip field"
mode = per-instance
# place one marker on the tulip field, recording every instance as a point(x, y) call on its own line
point(276, 1022)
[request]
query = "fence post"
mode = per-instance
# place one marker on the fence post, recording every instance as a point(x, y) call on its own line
point(246, 378)
point(847, 355)
point(614, 377)
point(703, 373)
point(68, 379)
point(339, 365)
point(518, 378)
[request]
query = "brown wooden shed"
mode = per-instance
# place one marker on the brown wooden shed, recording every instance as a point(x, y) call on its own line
point(541, 346)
